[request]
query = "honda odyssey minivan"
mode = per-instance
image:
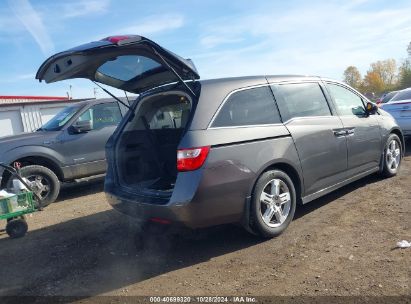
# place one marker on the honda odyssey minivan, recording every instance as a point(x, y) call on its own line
point(235, 150)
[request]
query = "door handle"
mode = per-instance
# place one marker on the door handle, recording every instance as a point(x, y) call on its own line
point(343, 132)
point(339, 132)
point(350, 131)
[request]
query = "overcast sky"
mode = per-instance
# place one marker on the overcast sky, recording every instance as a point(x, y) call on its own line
point(223, 38)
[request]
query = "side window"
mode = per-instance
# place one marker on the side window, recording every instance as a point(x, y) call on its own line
point(248, 107)
point(102, 115)
point(347, 102)
point(86, 115)
point(300, 100)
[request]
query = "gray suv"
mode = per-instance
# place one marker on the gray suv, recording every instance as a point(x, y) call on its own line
point(68, 147)
point(236, 150)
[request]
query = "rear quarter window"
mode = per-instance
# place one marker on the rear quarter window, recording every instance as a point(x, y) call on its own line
point(248, 107)
point(300, 100)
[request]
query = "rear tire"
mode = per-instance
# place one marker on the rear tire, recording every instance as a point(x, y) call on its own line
point(46, 185)
point(392, 156)
point(273, 203)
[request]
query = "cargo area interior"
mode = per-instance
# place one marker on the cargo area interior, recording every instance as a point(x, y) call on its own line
point(147, 148)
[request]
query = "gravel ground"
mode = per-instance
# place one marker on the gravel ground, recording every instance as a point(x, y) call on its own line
point(342, 244)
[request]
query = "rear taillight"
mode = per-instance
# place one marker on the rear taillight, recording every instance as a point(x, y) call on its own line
point(191, 159)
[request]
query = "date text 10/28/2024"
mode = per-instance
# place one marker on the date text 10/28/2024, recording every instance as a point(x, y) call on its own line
point(205, 299)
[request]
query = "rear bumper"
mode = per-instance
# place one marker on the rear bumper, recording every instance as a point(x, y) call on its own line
point(192, 215)
point(177, 214)
point(194, 203)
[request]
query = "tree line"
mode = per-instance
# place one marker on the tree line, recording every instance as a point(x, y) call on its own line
point(382, 76)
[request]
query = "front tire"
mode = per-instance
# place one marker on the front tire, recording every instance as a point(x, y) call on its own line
point(392, 156)
point(44, 182)
point(273, 203)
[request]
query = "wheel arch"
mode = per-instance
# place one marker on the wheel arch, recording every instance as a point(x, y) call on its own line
point(297, 179)
point(398, 132)
point(290, 170)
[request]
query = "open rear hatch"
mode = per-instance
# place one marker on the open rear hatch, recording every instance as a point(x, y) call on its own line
point(130, 63)
point(145, 149)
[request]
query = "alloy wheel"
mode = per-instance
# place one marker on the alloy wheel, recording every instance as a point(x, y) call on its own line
point(275, 203)
point(393, 155)
point(39, 185)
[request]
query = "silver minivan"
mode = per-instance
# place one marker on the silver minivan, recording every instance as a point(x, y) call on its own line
point(399, 107)
point(235, 150)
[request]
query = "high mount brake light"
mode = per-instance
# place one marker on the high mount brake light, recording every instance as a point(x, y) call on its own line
point(116, 39)
point(192, 158)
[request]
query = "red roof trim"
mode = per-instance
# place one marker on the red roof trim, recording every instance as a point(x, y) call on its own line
point(35, 97)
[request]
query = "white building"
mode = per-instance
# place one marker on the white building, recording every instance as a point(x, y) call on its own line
point(27, 113)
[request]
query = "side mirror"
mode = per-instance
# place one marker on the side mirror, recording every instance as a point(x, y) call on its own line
point(371, 108)
point(82, 126)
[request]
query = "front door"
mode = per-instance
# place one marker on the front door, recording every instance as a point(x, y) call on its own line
point(363, 131)
point(317, 133)
point(87, 150)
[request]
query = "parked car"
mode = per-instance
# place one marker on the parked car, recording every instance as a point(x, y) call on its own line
point(400, 108)
point(386, 97)
point(244, 150)
point(68, 147)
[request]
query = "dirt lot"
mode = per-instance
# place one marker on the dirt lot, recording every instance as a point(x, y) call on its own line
point(342, 244)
